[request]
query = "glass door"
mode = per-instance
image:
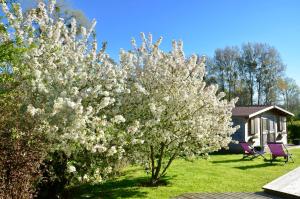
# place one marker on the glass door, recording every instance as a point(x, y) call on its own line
point(271, 130)
point(264, 131)
point(268, 130)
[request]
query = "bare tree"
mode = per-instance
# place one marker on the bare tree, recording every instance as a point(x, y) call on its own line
point(225, 66)
point(250, 73)
point(248, 64)
point(290, 93)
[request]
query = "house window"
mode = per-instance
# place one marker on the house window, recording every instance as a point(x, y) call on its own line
point(271, 125)
point(264, 124)
point(252, 126)
point(281, 124)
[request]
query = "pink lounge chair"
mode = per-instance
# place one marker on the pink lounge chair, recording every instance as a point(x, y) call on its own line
point(278, 149)
point(251, 152)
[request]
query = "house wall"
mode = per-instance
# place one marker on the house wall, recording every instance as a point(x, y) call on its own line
point(239, 135)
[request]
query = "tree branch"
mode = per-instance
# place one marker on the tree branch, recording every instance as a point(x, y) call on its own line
point(152, 160)
point(162, 148)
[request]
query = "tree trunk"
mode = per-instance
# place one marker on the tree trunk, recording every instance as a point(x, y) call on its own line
point(251, 88)
point(159, 171)
point(251, 95)
point(155, 170)
point(222, 81)
point(152, 161)
point(259, 93)
point(230, 87)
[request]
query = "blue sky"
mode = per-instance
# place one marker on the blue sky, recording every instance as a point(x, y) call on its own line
point(203, 25)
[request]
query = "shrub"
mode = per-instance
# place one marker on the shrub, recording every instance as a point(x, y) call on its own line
point(55, 176)
point(19, 167)
point(21, 151)
point(294, 131)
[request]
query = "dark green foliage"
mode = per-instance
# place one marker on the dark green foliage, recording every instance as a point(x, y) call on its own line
point(294, 131)
point(21, 150)
point(54, 176)
point(19, 163)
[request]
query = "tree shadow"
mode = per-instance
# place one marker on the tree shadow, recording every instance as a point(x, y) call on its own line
point(125, 188)
point(232, 160)
point(266, 164)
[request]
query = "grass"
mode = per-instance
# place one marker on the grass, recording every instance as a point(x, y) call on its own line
point(220, 173)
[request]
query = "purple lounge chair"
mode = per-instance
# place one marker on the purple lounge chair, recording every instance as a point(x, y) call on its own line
point(278, 149)
point(251, 152)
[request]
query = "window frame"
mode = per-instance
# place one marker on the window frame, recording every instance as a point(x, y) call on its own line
point(265, 124)
point(252, 126)
point(281, 124)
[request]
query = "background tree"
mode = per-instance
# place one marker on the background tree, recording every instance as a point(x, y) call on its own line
point(290, 93)
point(225, 68)
point(250, 73)
point(62, 9)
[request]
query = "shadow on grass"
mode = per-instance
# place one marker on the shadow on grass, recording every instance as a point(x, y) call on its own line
point(230, 161)
point(266, 164)
point(125, 188)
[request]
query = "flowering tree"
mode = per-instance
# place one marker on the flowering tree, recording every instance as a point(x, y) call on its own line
point(69, 88)
point(172, 110)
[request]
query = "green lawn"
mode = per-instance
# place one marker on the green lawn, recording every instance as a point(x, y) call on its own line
point(220, 173)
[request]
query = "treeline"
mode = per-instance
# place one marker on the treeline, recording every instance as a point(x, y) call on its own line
point(255, 73)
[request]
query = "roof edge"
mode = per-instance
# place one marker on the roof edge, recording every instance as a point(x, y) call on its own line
point(270, 108)
point(283, 110)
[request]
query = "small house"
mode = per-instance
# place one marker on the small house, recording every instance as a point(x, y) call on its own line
point(259, 125)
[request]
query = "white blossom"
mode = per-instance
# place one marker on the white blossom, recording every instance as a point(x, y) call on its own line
point(99, 148)
point(140, 88)
point(112, 151)
point(119, 119)
point(166, 99)
point(32, 110)
point(71, 169)
point(105, 102)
